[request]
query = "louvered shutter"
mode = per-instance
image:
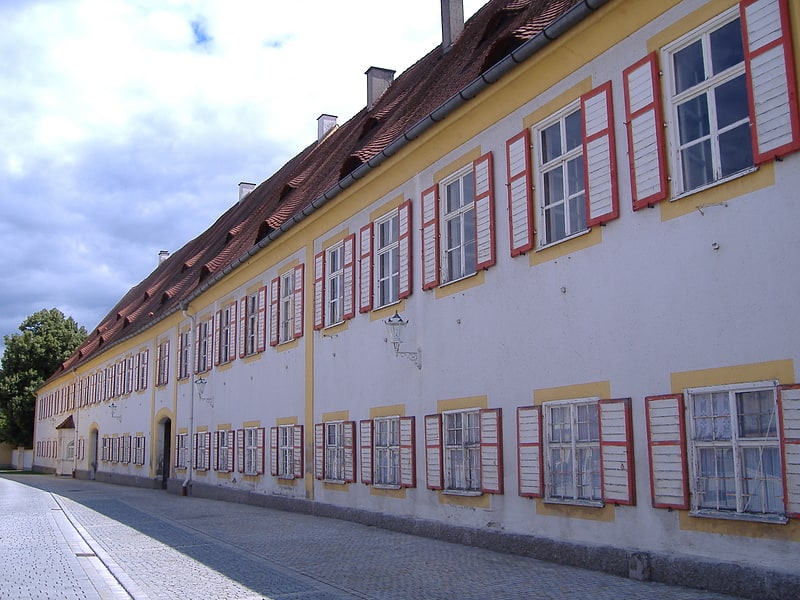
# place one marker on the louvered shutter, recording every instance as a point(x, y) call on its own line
point(349, 275)
point(520, 210)
point(530, 475)
point(789, 414)
point(771, 78)
point(433, 451)
point(365, 446)
point(299, 299)
point(231, 450)
point(430, 238)
point(408, 466)
point(616, 451)
point(215, 450)
point(217, 337)
point(232, 336)
point(484, 211)
point(274, 311)
point(349, 433)
point(242, 327)
point(195, 462)
point(177, 462)
point(240, 450)
point(319, 291)
point(136, 367)
point(666, 436)
point(82, 449)
point(600, 162)
point(273, 451)
point(297, 439)
point(180, 354)
point(146, 368)
point(261, 320)
point(365, 268)
point(404, 249)
point(492, 450)
point(644, 121)
point(197, 348)
point(260, 458)
point(319, 450)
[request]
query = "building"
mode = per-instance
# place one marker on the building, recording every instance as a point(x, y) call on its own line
point(581, 216)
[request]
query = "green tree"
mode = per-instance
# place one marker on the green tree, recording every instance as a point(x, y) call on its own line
point(46, 340)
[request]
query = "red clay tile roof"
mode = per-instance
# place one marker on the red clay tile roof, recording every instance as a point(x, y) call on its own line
point(496, 30)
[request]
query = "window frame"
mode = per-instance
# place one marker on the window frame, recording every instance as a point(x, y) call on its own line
point(464, 478)
point(181, 450)
point(391, 248)
point(465, 215)
point(334, 284)
point(390, 449)
point(162, 363)
point(184, 354)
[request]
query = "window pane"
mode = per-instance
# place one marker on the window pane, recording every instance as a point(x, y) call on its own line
point(577, 213)
point(469, 242)
point(693, 120)
point(757, 414)
point(716, 485)
point(574, 130)
point(553, 186)
point(551, 142)
point(763, 487)
point(726, 46)
point(696, 165)
point(735, 149)
point(468, 189)
point(453, 196)
point(689, 69)
point(731, 102)
point(561, 461)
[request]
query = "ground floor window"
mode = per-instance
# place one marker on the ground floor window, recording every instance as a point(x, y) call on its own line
point(181, 450)
point(462, 451)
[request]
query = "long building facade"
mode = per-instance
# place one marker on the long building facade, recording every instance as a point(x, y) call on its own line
point(539, 294)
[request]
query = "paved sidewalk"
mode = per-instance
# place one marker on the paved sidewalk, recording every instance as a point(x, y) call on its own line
point(65, 538)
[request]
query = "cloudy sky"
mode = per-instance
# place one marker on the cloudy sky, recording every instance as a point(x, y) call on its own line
point(126, 125)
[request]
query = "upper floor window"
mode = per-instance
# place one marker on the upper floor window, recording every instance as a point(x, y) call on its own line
point(709, 104)
point(562, 200)
point(334, 285)
point(162, 363)
point(226, 334)
point(286, 306)
point(387, 260)
point(204, 344)
point(184, 352)
point(250, 323)
point(458, 226)
point(142, 369)
point(384, 259)
point(334, 291)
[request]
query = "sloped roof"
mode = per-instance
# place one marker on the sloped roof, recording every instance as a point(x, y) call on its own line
point(495, 31)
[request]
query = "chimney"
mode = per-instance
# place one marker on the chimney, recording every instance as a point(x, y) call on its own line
point(244, 189)
point(325, 124)
point(162, 255)
point(452, 22)
point(378, 81)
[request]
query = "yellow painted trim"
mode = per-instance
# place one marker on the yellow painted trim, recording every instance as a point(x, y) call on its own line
point(254, 288)
point(595, 389)
point(249, 424)
point(482, 501)
point(761, 178)
point(459, 163)
point(398, 494)
point(290, 345)
point(332, 330)
point(709, 10)
point(182, 431)
point(558, 103)
point(606, 514)
point(225, 476)
point(287, 481)
point(339, 415)
point(250, 478)
point(288, 266)
point(460, 285)
point(222, 367)
point(252, 357)
point(780, 370)
point(394, 410)
point(580, 242)
point(224, 427)
point(384, 209)
point(462, 403)
point(336, 487)
point(335, 239)
point(286, 421)
point(385, 312)
point(789, 532)
point(201, 429)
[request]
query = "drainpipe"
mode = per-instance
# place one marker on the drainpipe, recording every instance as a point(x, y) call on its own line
point(77, 400)
point(188, 481)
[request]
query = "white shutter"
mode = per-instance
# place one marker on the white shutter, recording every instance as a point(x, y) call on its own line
point(491, 451)
point(408, 466)
point(297, 441)
point(365, 268)
point(789, 402)
point(645, 126)
point(274, 311)
point(529, 450)
point(319, 450)
point(600, 163)
point(518, 160)
point(299, 283)
point(365, 446)
point(215, 450)
point(240, 450)
point(319, 290)
point(349, 434)
point(430, 238)
point(261, 319)
point(242, 327)
point(666, 436)
point(616, 451)
point(484, 211)
point(217, 325)
point(771, 78)
point(260, 435)
point(232, 337)
point(349, 275)
point(404, 248)
point(273, 451)
point(433, 451)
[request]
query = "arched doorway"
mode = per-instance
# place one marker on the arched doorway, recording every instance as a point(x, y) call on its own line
point(164, 447)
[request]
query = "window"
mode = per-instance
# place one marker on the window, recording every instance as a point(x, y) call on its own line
point(572, 451)
point(735, 450)
point(224, 451)
point(125, 449)
point(334, 452)
point(384, 259)
point(251, 319)
point(142, 369)
point(287, 451)
point(162, 363)
point(709, 104)
point(70, 453)
point(226, 335)
point(387, 260)
point(253, 308)
point(204, 344)
point(463, 451)
point(458, 226)
point(334, 459)
point(251, 450)
point(334, 291)
point(286, 306)
point(334, 285)
point(202, 451)
point(105, 454)
point(181, 450)
point(184, 350)
point(138, 450)
point(387, 452)
point(128, 366)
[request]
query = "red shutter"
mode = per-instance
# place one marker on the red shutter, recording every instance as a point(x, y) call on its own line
point(232, 336)
point(215, 447)
point(242, 327)
point(176, 463)
point(319, 450)
point(365, 268)
point(404, 248)
point(599, 157)
point(297, 440)
point(273, 451)
point(299, 299)
point(772, 85)
point(530, 475)
point(520, 209)
point(197, 348)
point(137, 365)
point(430, 238)
point(180, 353)
point(240, 450)
point(319, 291)
point(492, 450)
point(349, 434)
point(616, 451)
point(433, 451)
point(483, 176)
point(365, 444)
point(644, 121)
point(231, 450)
point(274, 311)
point(349, 276)
point(666, 437)
point(260, 458)
point(789, 420)
point(261, 320)
point(217, 324)
point(408, 465)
